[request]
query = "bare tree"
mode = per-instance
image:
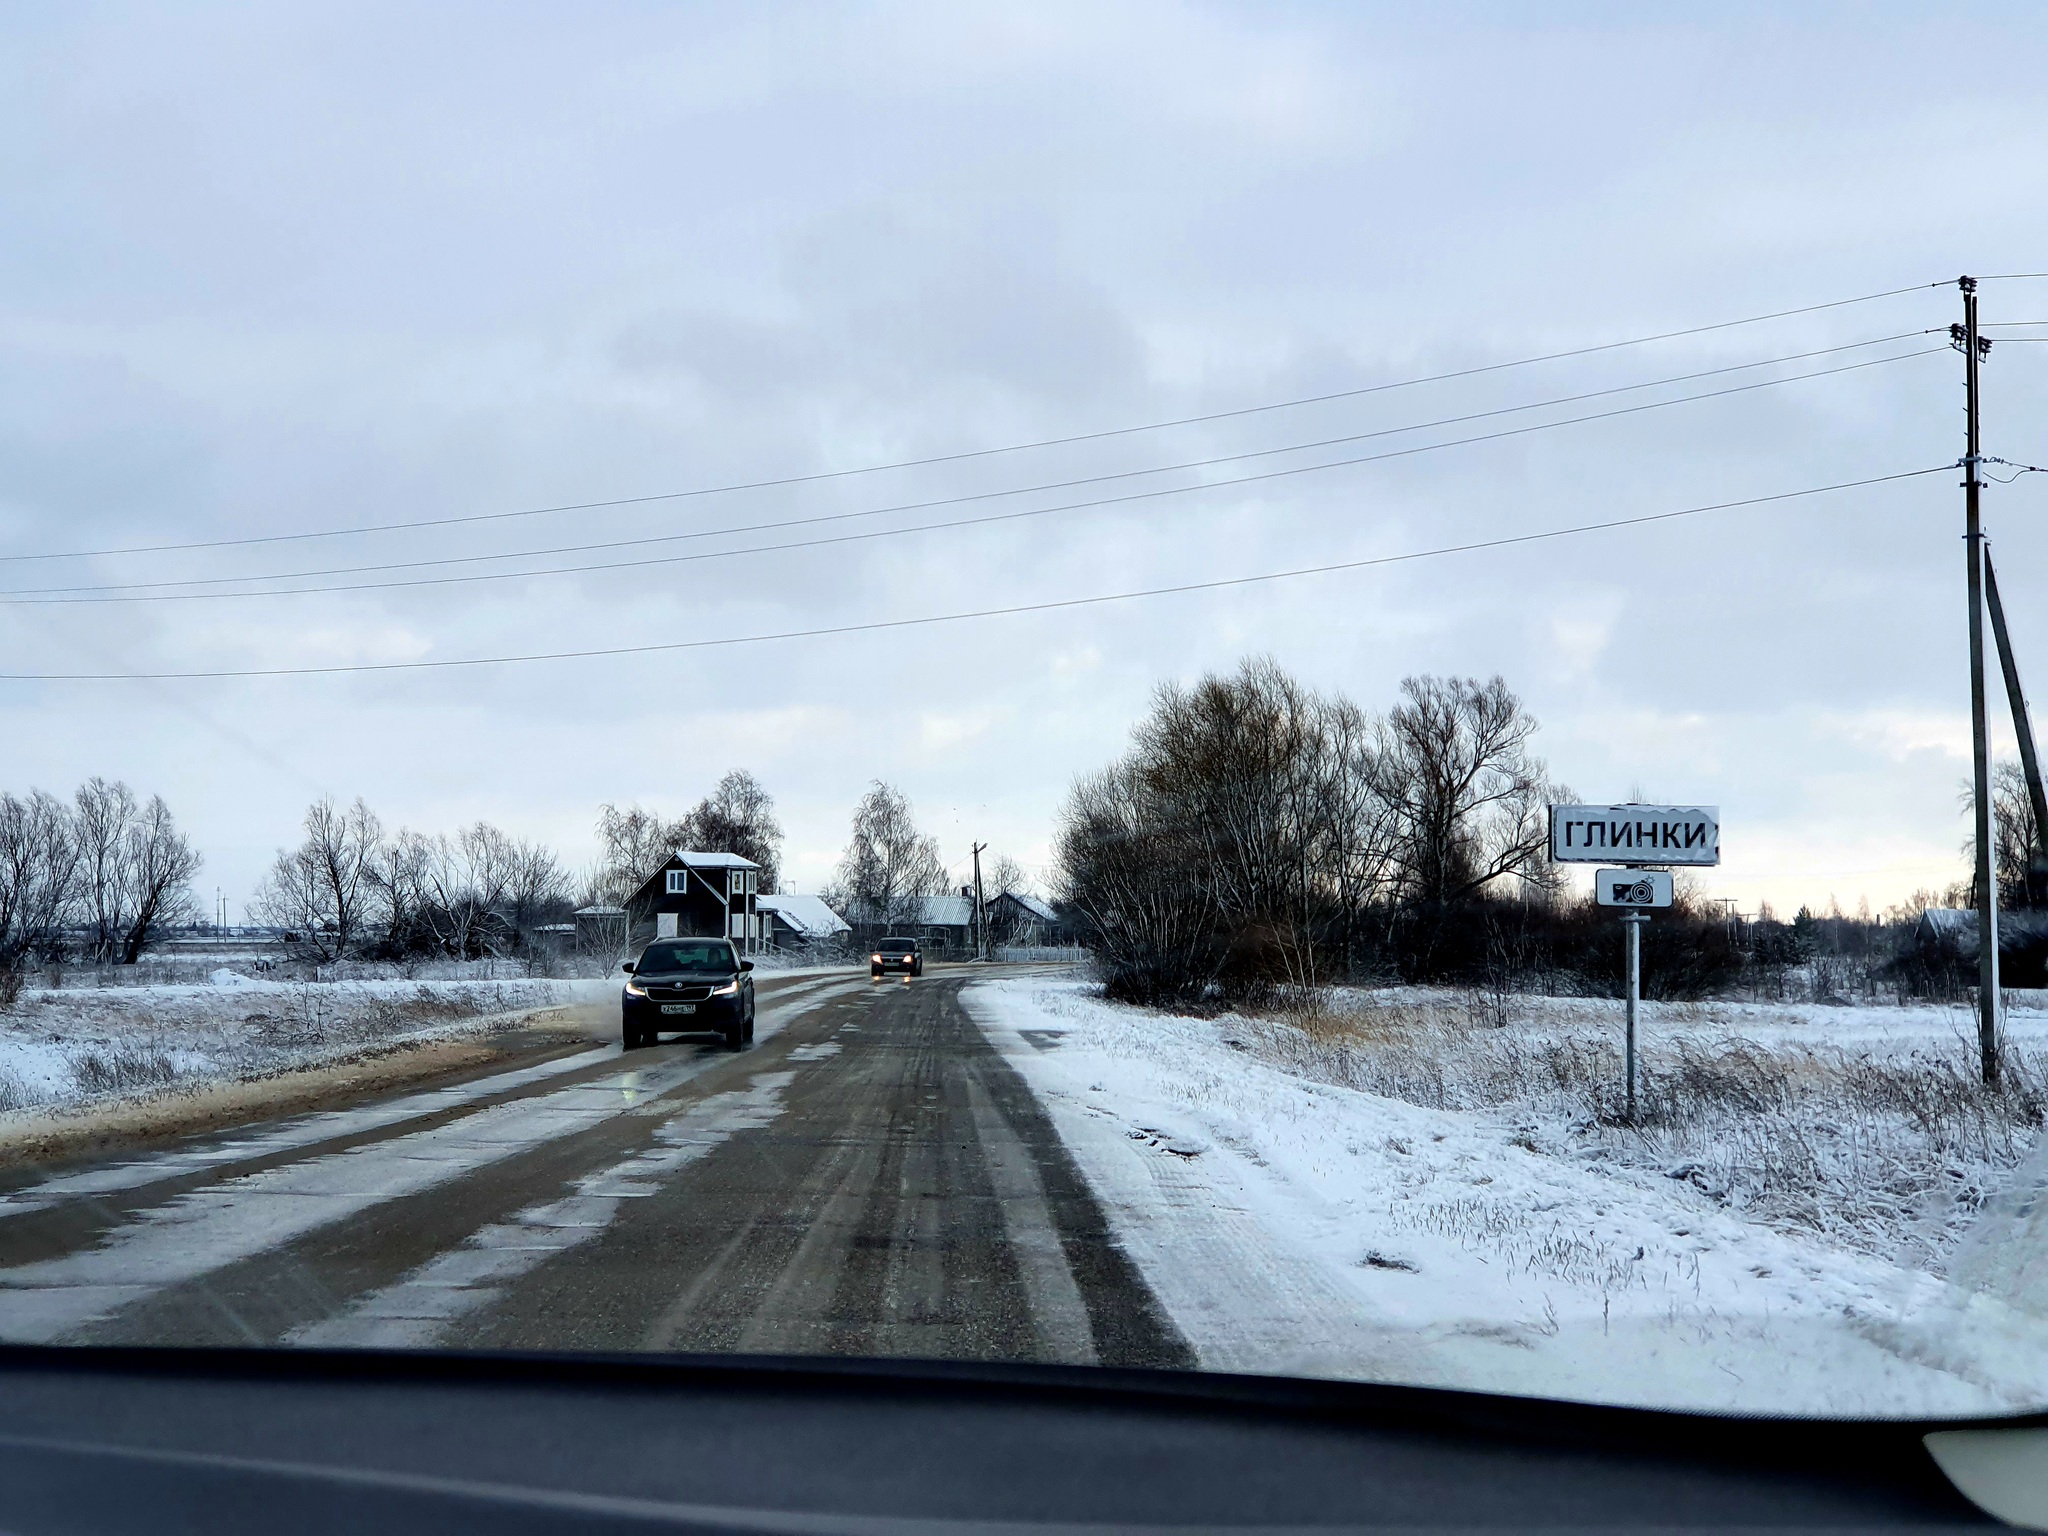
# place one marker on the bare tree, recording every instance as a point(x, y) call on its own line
point(536, 889)
point(157, 867)
point(1127, 867)
point(1003, 875)
point(322, 889)
point(739, 817)
point(466, 881)
point(632, 844)
point(1466, 793)
point(38, 874)
point(104, 815)
point(889, 865)
point(1234, 760)
point(398, 877)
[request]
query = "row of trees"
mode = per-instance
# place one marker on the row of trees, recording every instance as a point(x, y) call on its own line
point(103, 874)
point(98, 876)
point(348, 889)
point(1259, 833)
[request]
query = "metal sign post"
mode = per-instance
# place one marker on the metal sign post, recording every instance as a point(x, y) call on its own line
point(1633, 922)
point(1634, 836)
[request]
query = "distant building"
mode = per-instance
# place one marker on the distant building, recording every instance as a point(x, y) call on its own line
point(1953, 931)
point(799, 922)
point(945, 924)
point(601, 928)
point(1014, 917)
point(698, 895)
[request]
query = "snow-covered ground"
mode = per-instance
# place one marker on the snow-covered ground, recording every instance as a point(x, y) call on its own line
point(66, 1045)
point(1821, 1214)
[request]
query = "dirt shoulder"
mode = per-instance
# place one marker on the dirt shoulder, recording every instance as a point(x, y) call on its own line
point(88, 1132)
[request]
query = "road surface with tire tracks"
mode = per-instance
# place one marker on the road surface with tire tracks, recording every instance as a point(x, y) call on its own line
point(869, 1178)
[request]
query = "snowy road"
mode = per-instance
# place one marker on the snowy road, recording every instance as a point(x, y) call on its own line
point(871, 1178)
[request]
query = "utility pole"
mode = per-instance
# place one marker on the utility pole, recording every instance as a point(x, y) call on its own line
point(980, 917)
point(1965, 337)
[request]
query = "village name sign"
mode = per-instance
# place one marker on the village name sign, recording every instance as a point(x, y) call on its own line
point(1635, 834)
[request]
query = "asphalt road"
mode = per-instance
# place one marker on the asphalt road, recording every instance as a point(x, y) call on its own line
point(871, 1178)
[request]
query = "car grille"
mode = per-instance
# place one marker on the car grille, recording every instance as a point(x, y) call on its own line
point(679, 994)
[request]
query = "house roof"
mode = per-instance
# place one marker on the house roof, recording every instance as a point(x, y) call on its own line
point(947, 912)
point(712, 860)
point(600, 910)
point(689, 859)
point(808, 915)
point(1037, 906)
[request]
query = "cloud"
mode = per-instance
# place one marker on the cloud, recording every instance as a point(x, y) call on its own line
point(278, 273)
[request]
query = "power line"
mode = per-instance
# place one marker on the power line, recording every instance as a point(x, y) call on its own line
point(977, 453)
point(1054, 605)
point(645, 562)
point(972, 497)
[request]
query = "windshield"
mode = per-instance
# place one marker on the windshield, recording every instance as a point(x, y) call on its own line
point(1442, 807)
point(662, 959)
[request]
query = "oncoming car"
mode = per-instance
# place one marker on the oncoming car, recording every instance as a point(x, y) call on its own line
point(895, 955)
point(688, 985)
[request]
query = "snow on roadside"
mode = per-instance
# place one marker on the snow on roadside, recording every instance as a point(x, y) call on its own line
point(1301, 1226)
point(70, 1045)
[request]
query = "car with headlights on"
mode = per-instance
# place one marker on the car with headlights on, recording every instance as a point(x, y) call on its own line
point(688, 985)
point(903, 956)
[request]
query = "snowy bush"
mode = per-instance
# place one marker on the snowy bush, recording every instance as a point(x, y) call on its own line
point(1877, 1149)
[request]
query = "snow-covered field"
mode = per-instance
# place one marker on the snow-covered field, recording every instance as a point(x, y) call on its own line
point(1819, 1212)
point(73, 1044)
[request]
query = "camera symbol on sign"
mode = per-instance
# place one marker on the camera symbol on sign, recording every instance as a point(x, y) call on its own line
point(1641, 893)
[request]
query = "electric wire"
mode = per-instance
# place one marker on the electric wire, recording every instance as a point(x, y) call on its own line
point(2017, 468)
point(921, 620)
point(647, 562)
point(970, 454)
point(648, 540)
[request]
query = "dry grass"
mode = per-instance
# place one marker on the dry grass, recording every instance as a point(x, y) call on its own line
point(1882, 1151)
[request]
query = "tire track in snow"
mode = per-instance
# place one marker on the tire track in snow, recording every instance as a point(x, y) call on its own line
point(416, 1311)
point(239, 1218)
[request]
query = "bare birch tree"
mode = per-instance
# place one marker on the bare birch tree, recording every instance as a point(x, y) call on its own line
point(739, 817)
point(632, 844)
point(889, 865)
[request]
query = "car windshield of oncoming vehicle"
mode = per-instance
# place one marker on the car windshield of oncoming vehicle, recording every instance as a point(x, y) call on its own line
point(703, 957)
point(897, 946)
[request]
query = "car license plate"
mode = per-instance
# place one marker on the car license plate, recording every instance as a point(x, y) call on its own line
point(678, 1007)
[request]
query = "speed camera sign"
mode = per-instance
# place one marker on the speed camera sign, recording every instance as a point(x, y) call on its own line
point(1632, 887)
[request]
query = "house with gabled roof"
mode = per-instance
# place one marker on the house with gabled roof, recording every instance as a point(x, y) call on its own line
point(698, 895)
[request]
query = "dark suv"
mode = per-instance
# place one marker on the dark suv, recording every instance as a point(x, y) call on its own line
point(688, 984)
point(896, 955)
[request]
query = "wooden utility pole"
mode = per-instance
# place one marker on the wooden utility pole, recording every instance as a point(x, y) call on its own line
point(980, 917)
point(1965, 337)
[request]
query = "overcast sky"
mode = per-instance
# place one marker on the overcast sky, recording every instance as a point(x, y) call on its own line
point(289, 269)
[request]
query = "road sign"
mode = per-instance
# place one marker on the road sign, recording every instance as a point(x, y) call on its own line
point(1632, 887)
point(1635, 834)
